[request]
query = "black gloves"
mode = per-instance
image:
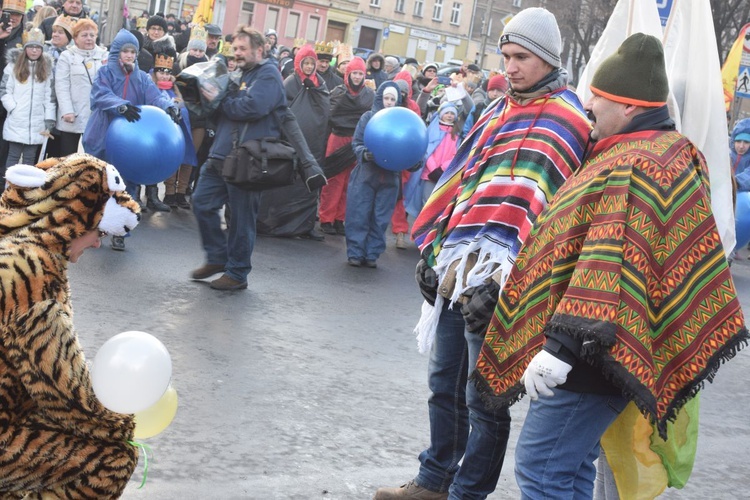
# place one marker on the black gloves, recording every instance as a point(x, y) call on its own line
point(368, 156)
point(174, 114)
point(427, 281)
point(480, 307)
point(434, 176)
point(130, 112)
point(308, 84)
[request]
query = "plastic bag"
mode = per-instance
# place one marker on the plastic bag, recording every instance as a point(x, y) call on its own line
point(643, 464)
point(203, 86)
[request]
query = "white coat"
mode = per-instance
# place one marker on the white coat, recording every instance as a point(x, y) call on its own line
point(28, 104)
point(74, 76)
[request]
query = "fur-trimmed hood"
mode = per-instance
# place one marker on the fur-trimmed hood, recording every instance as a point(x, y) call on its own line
point(12, 55)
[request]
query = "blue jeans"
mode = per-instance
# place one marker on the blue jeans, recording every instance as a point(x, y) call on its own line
point(460, 425)
point(370, 201)
point(559, 443)
point(234, 248)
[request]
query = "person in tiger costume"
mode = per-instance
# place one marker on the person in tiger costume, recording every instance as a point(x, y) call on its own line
point(56, 438)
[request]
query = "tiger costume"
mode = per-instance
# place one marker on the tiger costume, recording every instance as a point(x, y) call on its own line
point(56, 438)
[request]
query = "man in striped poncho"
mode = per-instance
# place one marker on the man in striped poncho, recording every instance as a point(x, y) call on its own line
point(622, 291)
point(516, 157)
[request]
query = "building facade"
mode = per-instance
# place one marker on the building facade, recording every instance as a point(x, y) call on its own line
point(427, 30)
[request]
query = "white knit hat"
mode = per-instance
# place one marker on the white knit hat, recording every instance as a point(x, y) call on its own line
point(536, 30)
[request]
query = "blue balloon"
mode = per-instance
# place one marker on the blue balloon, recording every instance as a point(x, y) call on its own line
point(147, 151)
point(397, 138)
point(742, 219)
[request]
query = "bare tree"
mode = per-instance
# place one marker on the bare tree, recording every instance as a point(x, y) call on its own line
point(729, 18)
point(581, 24)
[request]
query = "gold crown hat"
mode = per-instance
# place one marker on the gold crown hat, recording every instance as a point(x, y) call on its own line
point(227, 50)
point(34, 36)
point(17, 6)
point(66, 23)
point(141, 23)
point(343, 53)
point(324, 50)
point(198, 38)
point(163, 61)
point(298, 43)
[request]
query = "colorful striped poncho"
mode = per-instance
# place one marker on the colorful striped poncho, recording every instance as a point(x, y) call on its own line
point(504, 174)
point(627, 258)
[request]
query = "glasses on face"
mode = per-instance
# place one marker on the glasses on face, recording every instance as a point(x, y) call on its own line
point(155, 29)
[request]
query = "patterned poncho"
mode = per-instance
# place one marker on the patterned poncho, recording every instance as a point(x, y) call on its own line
point(504, 174)
point(627, 258)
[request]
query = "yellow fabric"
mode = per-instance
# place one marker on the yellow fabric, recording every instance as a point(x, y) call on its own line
point(731, 67)
point(644, 464)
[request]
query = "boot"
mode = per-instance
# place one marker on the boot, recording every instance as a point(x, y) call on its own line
point(171, 200)
point(143, 207)
point(153, 202)
point(181, 202)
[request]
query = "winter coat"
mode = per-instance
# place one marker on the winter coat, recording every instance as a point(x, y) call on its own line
point(113, 88)
point(28, 104)
point(740, 164)
point(260, 95)
point(379, 76)
point(74, 76)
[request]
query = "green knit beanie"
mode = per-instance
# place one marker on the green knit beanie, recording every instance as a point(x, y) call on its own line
point(635, 74)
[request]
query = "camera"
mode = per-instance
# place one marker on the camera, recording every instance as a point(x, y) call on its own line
point(5, 20)
point(444, 80)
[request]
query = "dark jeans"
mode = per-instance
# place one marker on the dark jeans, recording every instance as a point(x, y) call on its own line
point(460, 425)
point(234, 247)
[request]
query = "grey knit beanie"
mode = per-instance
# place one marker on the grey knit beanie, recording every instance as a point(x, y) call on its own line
point(535, 29)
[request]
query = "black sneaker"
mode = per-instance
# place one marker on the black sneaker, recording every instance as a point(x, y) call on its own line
point(327, 228)
point(181, 201)
point(171, 200)
point(339, 227)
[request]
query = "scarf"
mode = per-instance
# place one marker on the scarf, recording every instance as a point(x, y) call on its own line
point(503, 175)
point(627, 259)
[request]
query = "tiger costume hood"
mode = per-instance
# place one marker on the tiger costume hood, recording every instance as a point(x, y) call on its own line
point(62, 199)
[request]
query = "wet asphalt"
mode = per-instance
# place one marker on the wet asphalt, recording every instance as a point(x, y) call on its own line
point(308, 385)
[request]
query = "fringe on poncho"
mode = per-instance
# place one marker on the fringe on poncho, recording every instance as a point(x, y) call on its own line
point(504, 174)
point(628, 259)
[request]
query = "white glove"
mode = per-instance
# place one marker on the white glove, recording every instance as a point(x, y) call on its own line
point(544, 372)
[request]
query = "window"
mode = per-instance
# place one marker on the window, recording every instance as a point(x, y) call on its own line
point(517, 3)
point(375, 3)
point(246, 17)
point(400, 5)
point(418, 8)
point(456, 13)
point(292, 25)
point(272, 19)
point(437, 11)
point(312, 28)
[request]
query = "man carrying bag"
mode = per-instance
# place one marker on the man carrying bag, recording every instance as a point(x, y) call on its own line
point(250, 108)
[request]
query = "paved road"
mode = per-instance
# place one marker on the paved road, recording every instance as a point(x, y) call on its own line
point(308, 385)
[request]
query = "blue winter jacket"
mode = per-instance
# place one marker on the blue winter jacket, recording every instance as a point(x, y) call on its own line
point(740, 166)
point(111, 89)
point(260, 93)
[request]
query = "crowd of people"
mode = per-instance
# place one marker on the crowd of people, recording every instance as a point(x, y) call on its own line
point(564, 245)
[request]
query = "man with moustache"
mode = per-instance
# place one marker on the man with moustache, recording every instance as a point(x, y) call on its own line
point(252, 103)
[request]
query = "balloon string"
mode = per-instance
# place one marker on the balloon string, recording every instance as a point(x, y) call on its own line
point(145, 449)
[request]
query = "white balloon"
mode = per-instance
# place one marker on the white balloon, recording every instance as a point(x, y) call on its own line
point(131, 372)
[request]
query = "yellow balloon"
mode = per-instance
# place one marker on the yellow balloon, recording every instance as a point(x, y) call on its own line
point(153, 420)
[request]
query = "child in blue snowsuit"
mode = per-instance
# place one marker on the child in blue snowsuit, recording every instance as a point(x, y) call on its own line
point(372, 192)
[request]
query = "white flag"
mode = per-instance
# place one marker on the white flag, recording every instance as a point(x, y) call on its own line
point(695, 80)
